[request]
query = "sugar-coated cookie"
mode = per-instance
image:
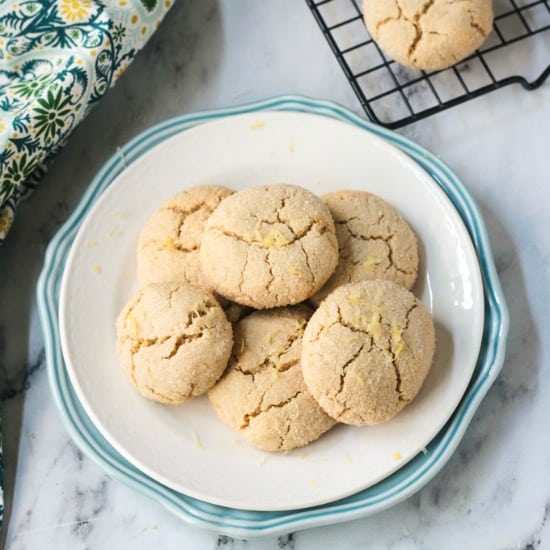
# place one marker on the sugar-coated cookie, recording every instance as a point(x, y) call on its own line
point(174, 341)
point(262, 394)
point(428, 35)
point(367, 350)
point(168, 246)
point(269, 246)
point(374, 241)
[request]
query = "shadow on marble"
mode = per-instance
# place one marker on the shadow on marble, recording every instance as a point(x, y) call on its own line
point(176, 70)
point(519, 375)
point(518, 379)
point(12, 420)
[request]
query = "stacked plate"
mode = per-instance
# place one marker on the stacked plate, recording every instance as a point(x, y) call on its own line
point(184, 457)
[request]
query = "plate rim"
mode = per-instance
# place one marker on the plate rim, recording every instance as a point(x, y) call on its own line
point(242, 523)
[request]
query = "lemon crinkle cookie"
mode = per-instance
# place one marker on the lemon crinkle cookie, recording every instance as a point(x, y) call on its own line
point(262, 394)
point(269, 246)
point(428, 34)
point(374, 241)
point(174, 341)
point(367, 350)
point(168, 246)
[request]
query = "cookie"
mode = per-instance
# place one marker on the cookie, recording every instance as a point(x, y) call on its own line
point(367, 350)
point(168, 246)
point(374, 242)
point(428, 35)
point(174, 341)
point(262, 394)
point(269, 246)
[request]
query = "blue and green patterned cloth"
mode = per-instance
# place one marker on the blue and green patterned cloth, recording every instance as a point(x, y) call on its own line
point(57, 59)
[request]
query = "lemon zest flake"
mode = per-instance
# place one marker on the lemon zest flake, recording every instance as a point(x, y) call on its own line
point(198, 443)
point(370, 263)
point(169, 244)
point(275, 238)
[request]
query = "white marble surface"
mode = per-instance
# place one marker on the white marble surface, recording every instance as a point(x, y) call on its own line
point(493, 494)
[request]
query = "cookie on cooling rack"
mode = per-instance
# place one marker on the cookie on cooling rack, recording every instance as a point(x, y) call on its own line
point(428, 35)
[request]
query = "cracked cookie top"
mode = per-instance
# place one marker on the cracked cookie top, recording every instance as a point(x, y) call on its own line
point(374, 242)
point(168, 247)
point(269, 246)
point(174, 341)
point(428, 34)
point(262, 394)
point(367, 350)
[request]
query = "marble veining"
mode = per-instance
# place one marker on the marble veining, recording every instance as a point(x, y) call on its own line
point(495, 491)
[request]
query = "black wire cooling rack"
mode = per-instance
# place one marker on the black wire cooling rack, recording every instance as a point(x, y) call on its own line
point(516, 51)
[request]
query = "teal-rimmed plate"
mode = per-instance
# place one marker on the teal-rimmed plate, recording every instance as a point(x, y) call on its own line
point(249, 523)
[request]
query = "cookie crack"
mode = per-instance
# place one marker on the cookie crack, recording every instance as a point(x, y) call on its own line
point(253, 240)
point(323, 328)
point(391, 260)
point(397, 372)
point(388, 243)
point(417, 26)
point(267, 260)
point(183, 211)
point(182, 214)
point(139, 343)
point(414, 21)
point(425, 8)
point(244, 372)
point(308, 265)
point(475, 25)
point(260, 410)
point(393, 354)
point(177, 395)
point(174, 245)
point(278, 215)
point(346, 365)
point(291, 340)
point(148, 342)
point(407, 316)
point(274, 361)
point(171, 295)
point(283, 436)
point(347, 221)
point(245, 266)
point(340, 321)
point(133, 350)
point(361, 237)
point(180, 341)
point(200, 311)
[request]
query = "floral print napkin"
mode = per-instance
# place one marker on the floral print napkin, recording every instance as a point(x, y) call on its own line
point(57, 59)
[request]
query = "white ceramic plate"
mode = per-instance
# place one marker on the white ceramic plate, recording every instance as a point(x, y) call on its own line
point(187, 448)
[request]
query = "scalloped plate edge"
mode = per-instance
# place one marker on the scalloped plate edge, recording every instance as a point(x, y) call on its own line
point(237, 523)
